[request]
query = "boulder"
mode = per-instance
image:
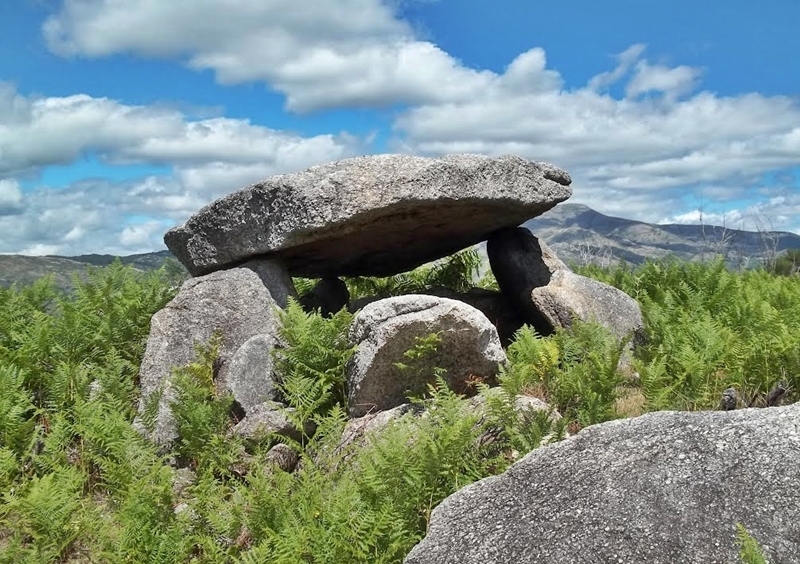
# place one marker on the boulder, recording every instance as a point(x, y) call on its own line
point(524, 406)
point(494, 305)
point(249, 377)
point(368, 216)
point(384, 330)
point(661, 488)
point(521, 403)
point(282, 456)
point(269, 418)
point(569, 295)
point(357, 430)
point(238, 303)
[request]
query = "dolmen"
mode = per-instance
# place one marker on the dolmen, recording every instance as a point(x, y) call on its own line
point(368, 216)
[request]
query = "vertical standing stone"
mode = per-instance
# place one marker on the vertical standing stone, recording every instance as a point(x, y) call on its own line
point(520, 262)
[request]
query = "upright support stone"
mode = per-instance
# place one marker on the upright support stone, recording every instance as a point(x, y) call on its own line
point(520, 262)
point(239, 304)
point(329, 295)
point(549, 295)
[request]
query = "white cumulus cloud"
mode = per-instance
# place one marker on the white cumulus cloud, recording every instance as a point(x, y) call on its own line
point(647, 149)
point(320, 54)
point(141, 235)
point(10, 196)
point(207, 158)
point(672, 82)
point(37, 132)
point(636, 139)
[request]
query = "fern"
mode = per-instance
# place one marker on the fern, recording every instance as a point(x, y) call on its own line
point(80, 485)
point(457, 272)
point(575, 370)
point(148, 529)
point(202, 414)
point(709, 329)
point(43, 515)
point(311, 367)
point(533, 362)
point(749, 550)
point(17, 412)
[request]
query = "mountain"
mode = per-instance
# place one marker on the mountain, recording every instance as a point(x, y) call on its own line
point(580, 234)
point(576, 232)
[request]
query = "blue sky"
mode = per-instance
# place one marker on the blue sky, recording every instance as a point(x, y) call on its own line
point(119, 119)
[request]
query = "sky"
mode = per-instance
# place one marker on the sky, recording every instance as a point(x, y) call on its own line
point(121, 118)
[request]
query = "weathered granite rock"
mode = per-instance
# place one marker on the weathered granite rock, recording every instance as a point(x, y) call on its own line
point(357, 430)
point(250, 377)
point(658, 489)
point(569, 295)
point(386, 329)
point(494, 305)
point(373, 216)
point(238, 303)
point(520, 262)
point(521, 403)
point(282, 456)
point(524, 406)
point(328, 295)
point(269, 418)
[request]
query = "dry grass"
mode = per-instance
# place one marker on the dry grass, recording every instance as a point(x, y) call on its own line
point(630, 402)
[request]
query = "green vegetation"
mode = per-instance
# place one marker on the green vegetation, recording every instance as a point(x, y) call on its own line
point(710, 329)
point(749, 550)
point(80, 485)
point(787, 263)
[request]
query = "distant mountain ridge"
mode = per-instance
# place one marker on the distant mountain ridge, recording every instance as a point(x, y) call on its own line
point(23, 270)
point(580, 234)
point(143, 261)
point(576, 232)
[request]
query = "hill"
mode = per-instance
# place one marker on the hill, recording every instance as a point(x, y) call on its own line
point(21, 269)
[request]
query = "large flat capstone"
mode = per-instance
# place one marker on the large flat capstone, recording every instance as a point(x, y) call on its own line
point(368, 216)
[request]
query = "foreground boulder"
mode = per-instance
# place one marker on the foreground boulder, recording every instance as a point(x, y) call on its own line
point(659, 489)
point(383, 331)
point(368, 216)
point(239, 303)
